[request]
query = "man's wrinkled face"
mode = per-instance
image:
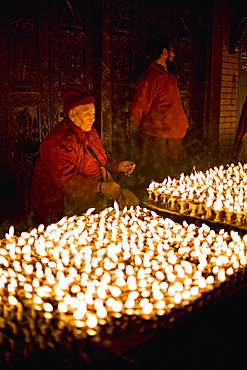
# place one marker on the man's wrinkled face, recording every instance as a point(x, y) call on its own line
point(83, 116)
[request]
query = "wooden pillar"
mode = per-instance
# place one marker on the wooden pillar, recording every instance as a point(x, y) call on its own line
point(224, 85)
point(106, 78)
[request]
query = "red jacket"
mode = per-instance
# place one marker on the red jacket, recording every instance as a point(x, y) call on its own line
point(156, 107)
point(65, 169)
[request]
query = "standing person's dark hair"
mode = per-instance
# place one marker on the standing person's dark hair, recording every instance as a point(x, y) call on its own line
point(155, 45)
point(154, 49)
point(158, 114)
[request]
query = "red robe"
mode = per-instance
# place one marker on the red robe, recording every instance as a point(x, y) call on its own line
point(66, 171)
point(242, 129)
point(156, 107)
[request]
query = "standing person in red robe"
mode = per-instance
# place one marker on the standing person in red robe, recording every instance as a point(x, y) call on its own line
point(240, 144)
point(158, 115)
point(73, 171)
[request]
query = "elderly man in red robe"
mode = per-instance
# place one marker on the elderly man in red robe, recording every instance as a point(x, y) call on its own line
point(73, 171)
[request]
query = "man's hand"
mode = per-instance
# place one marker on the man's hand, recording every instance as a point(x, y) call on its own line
point(110, 189)
point(126, 166)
